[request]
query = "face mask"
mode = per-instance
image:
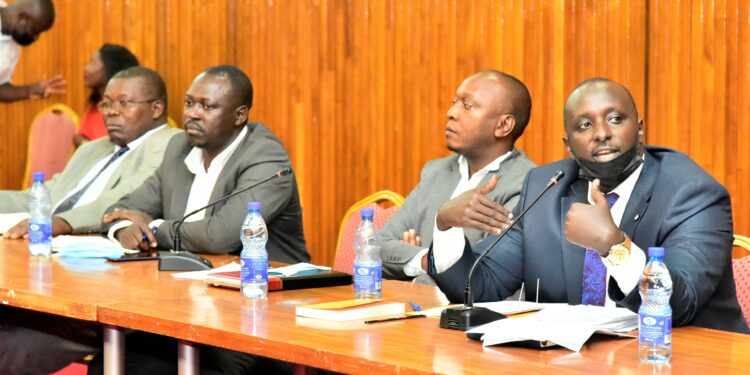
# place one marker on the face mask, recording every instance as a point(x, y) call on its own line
point(610, 173)
point(23, 39)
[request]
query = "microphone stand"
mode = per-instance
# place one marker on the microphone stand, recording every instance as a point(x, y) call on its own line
point(468, 316)
point(178, 260)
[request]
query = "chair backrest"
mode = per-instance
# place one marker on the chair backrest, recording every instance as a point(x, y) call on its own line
point(344, 260)
point(50, 141)
point(741, 268)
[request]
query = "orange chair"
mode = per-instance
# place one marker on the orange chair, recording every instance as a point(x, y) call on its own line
point(741, 268)
point(344, 260)
point(50, 141)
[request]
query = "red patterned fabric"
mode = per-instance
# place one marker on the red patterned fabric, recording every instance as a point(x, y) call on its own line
point(50, 144)
point(345, 255)
point(741, 269)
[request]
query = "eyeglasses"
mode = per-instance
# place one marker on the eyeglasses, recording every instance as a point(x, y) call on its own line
point(121, 104)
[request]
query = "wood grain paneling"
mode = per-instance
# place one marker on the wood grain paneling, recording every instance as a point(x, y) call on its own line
point(357, 90)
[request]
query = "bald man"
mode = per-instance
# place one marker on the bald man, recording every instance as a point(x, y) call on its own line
point(20, 25)
point(481, 181)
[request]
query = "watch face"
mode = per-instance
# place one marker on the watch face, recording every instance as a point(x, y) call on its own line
point(618, 255)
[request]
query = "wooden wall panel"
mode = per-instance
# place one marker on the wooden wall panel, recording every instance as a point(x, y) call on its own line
point(698, 85)
point(358, 89)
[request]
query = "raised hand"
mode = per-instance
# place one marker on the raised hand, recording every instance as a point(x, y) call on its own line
point(473, 209)
point(591, 225)
point(46, 87)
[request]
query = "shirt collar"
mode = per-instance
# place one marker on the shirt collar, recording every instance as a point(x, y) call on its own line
point(463, 165)
point(194, 159)
point(136, 142)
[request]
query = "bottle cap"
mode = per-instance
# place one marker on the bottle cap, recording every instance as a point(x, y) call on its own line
point(367, 212)
point(38, 176)
point(253, 206)
point(655, 251)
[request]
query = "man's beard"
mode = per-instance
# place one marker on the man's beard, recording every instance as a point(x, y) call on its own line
point(613, 172)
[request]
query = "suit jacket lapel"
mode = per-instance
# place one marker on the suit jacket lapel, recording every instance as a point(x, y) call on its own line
point(572, 255)
point(227, 182)
point(641, 196)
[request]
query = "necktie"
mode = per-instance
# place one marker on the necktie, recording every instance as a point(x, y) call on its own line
point(594, 290)
point(71, 201)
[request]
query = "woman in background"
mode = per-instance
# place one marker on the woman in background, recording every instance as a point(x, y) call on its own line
point(104, 64)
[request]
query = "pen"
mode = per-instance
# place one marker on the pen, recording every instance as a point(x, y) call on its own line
point(414, 306)
point(396, 318)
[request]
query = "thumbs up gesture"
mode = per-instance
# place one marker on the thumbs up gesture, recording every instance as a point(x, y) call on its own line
point(591, 225)
point(473, 209)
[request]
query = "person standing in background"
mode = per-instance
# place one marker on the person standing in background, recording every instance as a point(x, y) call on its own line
point(20, 25)
point(104, 64)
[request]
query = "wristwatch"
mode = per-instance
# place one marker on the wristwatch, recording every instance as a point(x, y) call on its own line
point(619, 253)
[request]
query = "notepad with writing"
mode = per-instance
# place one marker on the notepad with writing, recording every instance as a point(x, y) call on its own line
point(355, 309)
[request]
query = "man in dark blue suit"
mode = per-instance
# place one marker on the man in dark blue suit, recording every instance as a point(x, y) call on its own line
point(585, 247)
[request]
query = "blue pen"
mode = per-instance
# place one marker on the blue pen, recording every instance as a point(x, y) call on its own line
point(144, 238)
point(414, 306)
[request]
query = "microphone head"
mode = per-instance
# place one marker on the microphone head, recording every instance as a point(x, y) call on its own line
point(284, 172)
point(557, 176)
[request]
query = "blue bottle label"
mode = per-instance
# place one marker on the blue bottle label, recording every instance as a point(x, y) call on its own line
point(40, 232)
point(655, 329)
point(368, 278)
point(254, 270)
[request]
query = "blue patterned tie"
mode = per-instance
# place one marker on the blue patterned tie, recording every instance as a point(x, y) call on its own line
point(594, 290)
point(71, 201)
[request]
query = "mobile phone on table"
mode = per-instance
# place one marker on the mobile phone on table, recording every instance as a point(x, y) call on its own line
point(147, 255)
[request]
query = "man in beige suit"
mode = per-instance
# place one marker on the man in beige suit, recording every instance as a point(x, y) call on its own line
point(134, 107)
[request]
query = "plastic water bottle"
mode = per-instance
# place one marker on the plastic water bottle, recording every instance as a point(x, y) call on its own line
point(655, 314)
point(254, 257)
point(368, 268)
point(40, 217)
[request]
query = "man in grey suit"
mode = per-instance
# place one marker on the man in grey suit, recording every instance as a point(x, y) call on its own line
point(220, 152)
point(101, 172)
point(482, 180)
point(135, 112)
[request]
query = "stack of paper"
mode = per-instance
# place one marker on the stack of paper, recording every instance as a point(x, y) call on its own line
point(564, 325)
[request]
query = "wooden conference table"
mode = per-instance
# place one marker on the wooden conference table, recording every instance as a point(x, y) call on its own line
point(135, 295)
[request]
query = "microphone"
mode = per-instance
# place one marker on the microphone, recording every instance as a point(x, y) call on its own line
point(178, 260)
point(469, 316)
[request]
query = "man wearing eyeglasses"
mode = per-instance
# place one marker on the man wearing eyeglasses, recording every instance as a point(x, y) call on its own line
point(134, 107)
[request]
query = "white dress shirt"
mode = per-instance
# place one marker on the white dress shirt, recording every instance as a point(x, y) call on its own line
point(205, 179)
point(100, 183)
point(10, 53)
point(203, 183)
point(465, 183)
point(448, 245)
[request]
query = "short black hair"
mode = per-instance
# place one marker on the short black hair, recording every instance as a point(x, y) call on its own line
point(114, 58)
point(154, 83)
point(241, 85)
point(45, 13)
point(520, 99)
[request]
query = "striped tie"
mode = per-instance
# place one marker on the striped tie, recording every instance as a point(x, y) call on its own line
point(71, 201)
